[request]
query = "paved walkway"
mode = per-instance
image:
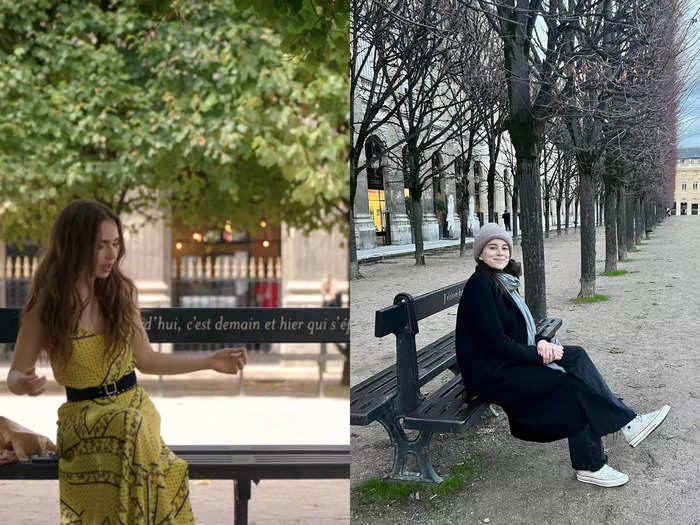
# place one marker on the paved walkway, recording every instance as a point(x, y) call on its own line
point(209, 420)
point(643, 340)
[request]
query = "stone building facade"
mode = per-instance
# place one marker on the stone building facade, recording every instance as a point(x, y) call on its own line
point(686, 195)
point(381, 198)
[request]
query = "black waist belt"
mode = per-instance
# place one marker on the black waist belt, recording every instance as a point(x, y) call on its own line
point(127, 382)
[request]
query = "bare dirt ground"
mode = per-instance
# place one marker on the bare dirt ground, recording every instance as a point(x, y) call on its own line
point(643, 340)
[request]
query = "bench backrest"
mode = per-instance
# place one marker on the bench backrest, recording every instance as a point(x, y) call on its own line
point(227, 325)
point(401, 319)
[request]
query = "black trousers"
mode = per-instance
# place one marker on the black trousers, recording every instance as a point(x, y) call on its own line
point(605, 412)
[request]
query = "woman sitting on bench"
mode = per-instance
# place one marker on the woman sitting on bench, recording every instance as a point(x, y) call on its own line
point(548, 391)
point(113, 465)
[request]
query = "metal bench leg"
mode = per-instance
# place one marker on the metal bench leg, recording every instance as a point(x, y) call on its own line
point(403, 447)
point(240, 506)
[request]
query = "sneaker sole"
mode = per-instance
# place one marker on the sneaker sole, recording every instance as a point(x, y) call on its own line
point(636, 440)
point(603, 482)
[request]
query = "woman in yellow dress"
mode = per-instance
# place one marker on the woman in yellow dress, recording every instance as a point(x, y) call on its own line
point(113, 465)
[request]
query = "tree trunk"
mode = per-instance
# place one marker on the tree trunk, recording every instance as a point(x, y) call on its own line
point(491, 192)
point(621, 224)
point(464, 209)
point(629, 211)
point(546, 218)
point(576, 209)
point(638, 222)
point(567, 198)
point(611, 253)
point(588, 205)
point(514, 206)
point(354, 263)
point(559, 216)
point(418, 230)
point(533, 243)
point(525, 135)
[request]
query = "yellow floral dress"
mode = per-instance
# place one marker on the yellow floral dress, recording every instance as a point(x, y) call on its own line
point(114, 468)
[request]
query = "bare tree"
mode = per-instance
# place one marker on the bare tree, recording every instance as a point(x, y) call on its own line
point(375, 77)
point(426, 117)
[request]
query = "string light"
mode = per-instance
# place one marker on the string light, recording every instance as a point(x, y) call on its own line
point(178, 246)
point(197, 237)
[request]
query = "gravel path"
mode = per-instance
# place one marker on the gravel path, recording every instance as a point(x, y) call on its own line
point(642, 340)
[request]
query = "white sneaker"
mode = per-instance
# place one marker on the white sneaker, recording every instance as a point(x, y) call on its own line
point(606, 476)
point(641, 426)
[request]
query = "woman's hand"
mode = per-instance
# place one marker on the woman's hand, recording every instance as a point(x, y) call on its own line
point(26, 382)
point(229, 360)
point(549, 351)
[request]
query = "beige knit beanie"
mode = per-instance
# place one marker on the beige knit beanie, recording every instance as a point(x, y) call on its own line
point(489, 232)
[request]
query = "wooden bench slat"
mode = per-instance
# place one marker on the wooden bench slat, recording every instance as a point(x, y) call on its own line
point(445, 410)
point(369, 398)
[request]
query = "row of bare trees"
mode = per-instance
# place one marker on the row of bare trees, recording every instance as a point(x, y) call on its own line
point(581, 98)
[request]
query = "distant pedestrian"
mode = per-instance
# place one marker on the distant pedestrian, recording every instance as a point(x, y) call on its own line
point(506, 220)
point(329, 296)
point(502, 360)
point(668, 212)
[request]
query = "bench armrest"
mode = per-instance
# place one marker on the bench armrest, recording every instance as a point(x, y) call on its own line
point(547, 328)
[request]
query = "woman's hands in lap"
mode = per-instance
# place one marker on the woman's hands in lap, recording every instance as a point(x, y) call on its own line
point(549, 351)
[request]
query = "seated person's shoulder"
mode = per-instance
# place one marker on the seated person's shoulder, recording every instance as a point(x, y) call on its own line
point(478, 280)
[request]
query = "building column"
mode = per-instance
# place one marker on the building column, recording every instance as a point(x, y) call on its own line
point(399, 223)
point(148, 260)
point(473, 223)
point(365, 232)
point(449, 190)
point(431, 228)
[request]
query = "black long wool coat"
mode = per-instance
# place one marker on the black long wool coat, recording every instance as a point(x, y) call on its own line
point(542, 404)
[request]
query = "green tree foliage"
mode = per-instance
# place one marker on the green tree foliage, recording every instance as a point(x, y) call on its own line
point(197, 111)
point(317, 29)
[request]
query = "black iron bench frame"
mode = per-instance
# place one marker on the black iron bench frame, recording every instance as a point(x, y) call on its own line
point(242, 464)
point(393, 396)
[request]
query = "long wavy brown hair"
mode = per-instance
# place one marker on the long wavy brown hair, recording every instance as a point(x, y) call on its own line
point(70, 256)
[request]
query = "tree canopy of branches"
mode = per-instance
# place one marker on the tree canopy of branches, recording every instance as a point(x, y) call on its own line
point(178, 114)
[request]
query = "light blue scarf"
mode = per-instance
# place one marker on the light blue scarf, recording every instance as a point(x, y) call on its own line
point(511, 284)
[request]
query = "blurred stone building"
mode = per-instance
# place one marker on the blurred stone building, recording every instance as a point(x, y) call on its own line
point(686, 195)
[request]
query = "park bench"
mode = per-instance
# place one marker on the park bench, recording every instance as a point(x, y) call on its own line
point(242, 464)
point(393, 397)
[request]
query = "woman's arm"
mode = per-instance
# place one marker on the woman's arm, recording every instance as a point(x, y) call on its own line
point(22, 378)
point(483, 321)
point(227, 361)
